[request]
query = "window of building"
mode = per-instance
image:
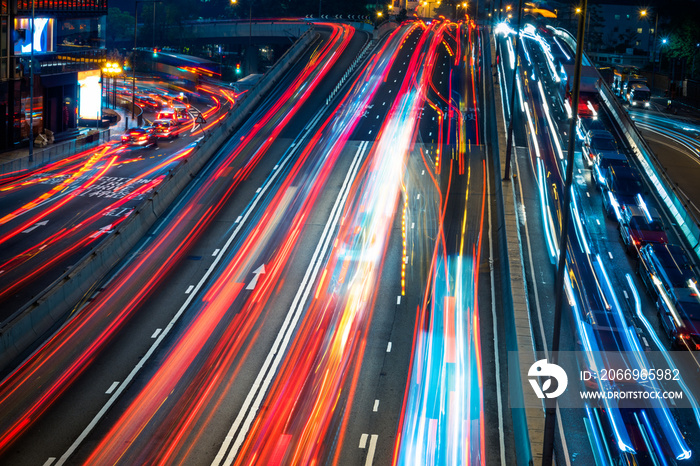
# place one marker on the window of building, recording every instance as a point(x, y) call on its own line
point(628, 16)
point(636, 43)
point(639, 30)
point(651, 30)
point(616, 29)
point(617, 17)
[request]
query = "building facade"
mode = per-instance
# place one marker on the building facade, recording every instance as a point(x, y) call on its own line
point(68, 48)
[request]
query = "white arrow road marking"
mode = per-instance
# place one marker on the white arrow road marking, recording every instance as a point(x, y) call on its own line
point(254, 281)
point(102, 231)
point(35, 226)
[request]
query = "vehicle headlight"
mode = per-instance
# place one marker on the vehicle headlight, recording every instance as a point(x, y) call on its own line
point(646, 104)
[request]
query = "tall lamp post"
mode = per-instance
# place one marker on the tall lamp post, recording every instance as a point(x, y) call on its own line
point(250, 32)
point(644, 13)
point(133, 58)
point(31, 88)
point(551, 403)
point(112, 70)
point(509, 139)
point(250, 18)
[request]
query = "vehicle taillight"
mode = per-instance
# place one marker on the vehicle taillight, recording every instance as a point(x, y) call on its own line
point(142, 138)
point(684, 336)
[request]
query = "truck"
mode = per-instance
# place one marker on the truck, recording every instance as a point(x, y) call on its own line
point(619, 76)
point(639, 96)
point(631, 80)
point(588, 91)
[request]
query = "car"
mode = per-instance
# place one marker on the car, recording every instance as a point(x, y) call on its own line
point(597, 142)
point(639, 96)
point(177, 113)
point(604, 161)
point(148, 103)
point(622, 184)
point(663, 267)
point(586, 125)
point(640, 226)
point(140, 137)
point(165, 129)
point(679, 312)
point(168, 114)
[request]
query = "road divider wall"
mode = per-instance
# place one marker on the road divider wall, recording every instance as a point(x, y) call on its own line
point(51, 307)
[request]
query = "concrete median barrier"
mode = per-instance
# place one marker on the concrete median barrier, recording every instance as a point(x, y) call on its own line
point(52, 306)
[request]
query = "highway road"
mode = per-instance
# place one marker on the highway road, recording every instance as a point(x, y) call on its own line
point(315, 295)
point(604, 296)
point(52, 216)
point(325, 290)
point(676, 144)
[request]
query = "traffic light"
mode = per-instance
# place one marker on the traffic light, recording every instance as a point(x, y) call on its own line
point(155, 52)
point(238, 68)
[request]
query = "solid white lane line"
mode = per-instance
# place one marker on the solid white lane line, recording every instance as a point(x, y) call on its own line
point(494, 318)
point(252, 402)
point(372, 448)
point(363, 441)
point(112, 399)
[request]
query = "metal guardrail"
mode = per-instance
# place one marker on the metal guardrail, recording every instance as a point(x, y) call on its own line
point(54, 152)
point(674, 200)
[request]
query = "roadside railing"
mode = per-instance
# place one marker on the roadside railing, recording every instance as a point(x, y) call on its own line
point(675, 201)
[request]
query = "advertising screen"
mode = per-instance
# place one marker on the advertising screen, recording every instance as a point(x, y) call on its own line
point(43, 35)
point(90, 95)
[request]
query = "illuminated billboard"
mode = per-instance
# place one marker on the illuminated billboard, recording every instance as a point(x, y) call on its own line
point(43, 35)
point(90, 95)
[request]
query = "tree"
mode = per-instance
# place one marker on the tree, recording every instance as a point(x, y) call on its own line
point(596, 24)
point(682, 42)
point(120, 27)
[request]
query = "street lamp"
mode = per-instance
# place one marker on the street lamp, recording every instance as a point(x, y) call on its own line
point(250, 25)
point(31, 89)
point(463, 6)
point(644, 14)
point(112, 70)
point(513, 85)
point(133, 58)
point(551, 403)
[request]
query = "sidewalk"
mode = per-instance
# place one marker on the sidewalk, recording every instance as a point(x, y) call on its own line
point(19, 158)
